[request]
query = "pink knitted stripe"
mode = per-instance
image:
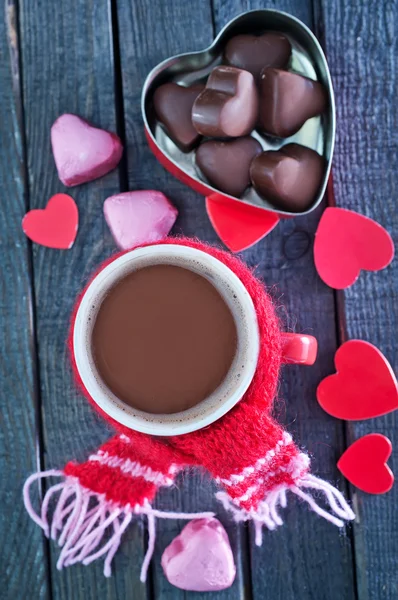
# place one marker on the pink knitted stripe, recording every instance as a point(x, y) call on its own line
point(242, 479)
point(117, 487)
point(143, 449)
point(132, 468)
point(266, 512)
point(284, 476)
point(124, 446)
point(279, 468)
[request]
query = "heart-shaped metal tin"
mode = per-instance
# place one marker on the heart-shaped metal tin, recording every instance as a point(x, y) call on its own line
point(308, 59)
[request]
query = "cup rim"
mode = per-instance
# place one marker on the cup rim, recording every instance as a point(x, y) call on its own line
point(107, 401)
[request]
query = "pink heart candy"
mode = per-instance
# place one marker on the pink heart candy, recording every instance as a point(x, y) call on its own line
point(83, 152)
point(139, 217)
point(200, 559)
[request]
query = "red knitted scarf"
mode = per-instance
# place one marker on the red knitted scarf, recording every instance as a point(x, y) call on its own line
point(254, 461)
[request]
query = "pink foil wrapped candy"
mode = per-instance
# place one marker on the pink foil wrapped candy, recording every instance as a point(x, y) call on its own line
point(83, 152)
point(138, 217)
point(200, 559)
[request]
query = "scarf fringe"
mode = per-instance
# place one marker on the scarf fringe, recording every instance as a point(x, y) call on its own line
point(267, 515)
point(83, 519)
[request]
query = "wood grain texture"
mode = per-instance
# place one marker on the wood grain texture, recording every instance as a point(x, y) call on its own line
point(365, 177)
point(21, 543)
point(285, 566)
point(150, 33)
point(68, 67)
point(308, 557)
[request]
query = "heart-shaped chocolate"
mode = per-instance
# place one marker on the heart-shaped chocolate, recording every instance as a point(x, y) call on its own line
point(173, 106)
point(256, 52)
point(228, 106)
point(289, 178)
point(226, 164)
point(200, 559)
point(83, 152)
point(287, 101)
point(187, 69)
point(139, 217)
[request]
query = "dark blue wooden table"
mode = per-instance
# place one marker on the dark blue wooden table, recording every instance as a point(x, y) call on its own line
point(91, 57)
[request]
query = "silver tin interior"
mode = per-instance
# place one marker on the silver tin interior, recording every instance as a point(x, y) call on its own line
point(308, 59)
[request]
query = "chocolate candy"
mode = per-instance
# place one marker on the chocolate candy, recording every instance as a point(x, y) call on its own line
point(200, 559)
point(83, 152)
point(226, 164)
point(289, 178)
point(139, 217)
point(228, 106)
point(256, 52)
point(287, 100)
point(173, 106)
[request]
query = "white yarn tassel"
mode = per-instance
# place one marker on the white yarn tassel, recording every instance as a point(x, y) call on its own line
point(81, 529)
point(267, 513)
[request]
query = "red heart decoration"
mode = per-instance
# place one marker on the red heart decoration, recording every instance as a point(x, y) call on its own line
point(364, 385)
point(56, 225)
point(347, 242)
point(364, 464)
point(237, 224)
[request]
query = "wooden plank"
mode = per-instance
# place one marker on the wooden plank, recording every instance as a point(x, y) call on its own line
point(150, 32)
point(362, 50)
point(308, 557)
point(22, 544)
point(68, 67)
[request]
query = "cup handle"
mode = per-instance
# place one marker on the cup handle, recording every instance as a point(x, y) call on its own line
point(299, 349)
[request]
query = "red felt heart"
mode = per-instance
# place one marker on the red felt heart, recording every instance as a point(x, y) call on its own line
point(364, 464)
point(347, 242)
point(237, 224)
point(56, 225)
point(364, 385)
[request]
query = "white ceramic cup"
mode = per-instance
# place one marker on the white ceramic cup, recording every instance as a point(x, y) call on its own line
point(243, 366)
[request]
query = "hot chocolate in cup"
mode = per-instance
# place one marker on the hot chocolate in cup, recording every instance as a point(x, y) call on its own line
point(235, 300)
